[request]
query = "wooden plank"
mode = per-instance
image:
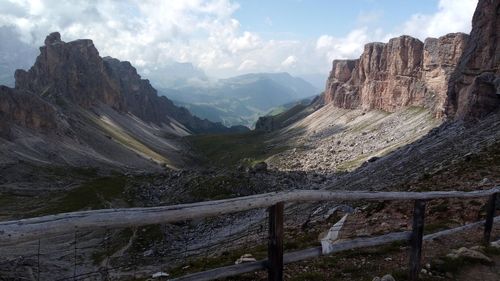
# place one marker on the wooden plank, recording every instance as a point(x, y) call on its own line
point(302, 255)
point(369, 242)
point(416, 239)
point(291, 257)
point(451, 231)
point(34, 228)
point(490, 214)
point(223, 272)
point(315, 252)
point(275, 244)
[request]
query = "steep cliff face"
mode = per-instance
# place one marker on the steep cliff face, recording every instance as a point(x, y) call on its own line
point(387, 73)
point(26, 110)
point(337, 91)
point(474, 88)
point(441, 56)
point(402, 72)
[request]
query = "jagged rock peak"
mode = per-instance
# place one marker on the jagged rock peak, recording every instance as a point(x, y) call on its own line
point(73, 71)
point(54, 37)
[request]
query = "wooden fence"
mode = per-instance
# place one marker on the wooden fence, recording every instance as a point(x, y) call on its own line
point(12, 232)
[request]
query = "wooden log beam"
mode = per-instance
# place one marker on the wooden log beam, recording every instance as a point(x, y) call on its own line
point(233, 270)
point(490, 214)
point(451, 231)
point(223, 272)
point(34, 228)
point(416, 239)
point(275, 245)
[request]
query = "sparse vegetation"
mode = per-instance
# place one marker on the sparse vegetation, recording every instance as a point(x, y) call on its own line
point(93, 194)
point(220, 187)
point(232, 149)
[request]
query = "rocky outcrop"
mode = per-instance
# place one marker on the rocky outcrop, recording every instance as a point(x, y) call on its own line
point(25, 110)
point(337, 91)
point(72, 71)
point(474, 88)
point(441, 56)
point(274, 122)
point(402, 72)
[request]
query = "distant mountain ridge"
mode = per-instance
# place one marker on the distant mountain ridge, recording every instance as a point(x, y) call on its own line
point(242, 99)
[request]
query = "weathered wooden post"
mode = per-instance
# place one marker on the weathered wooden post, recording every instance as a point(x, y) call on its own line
point(490, 215)
point(416, 239)
point(275, 243)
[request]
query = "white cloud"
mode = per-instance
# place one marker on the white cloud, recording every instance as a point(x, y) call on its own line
point(350, 46)
point(150, 33)
point(247, 65)
point(289, 62)
point(245, 42)
point(452, 16)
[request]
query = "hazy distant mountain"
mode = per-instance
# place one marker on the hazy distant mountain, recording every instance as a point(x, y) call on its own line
point(242, 99)
point(14, 54)
point(318, 80)
point(175, 75)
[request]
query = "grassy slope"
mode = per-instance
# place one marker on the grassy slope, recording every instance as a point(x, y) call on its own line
point(233, 149)
point(122, 137)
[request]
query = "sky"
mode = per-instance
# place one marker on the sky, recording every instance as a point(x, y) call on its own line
point(226, 38)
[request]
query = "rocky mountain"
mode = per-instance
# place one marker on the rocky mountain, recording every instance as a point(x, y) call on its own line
point(402, 72)
point(474, 88)
point(240, 100)
point(72, 106)
point(377, 127)
point(455, 75)
point(399, 98)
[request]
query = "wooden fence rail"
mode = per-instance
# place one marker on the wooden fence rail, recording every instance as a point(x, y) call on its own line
point(34, 228)
point(12, 232)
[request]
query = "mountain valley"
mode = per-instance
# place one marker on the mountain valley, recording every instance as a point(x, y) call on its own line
point(82, 132)
point(240, 100)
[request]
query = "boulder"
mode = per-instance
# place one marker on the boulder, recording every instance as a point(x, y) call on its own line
point(469, 254)
point(386, 277)
point(245, 258)
point(159, 275)
point(260, 167)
